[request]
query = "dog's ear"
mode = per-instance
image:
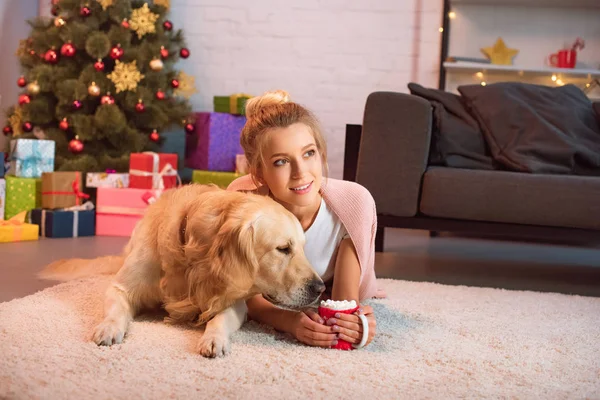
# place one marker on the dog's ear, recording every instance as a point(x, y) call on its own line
point(233, 264)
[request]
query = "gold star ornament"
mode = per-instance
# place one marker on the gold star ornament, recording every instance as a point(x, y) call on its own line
point(143, 21)
point(125, 76)
point(187, 85)
point(499, 53)
point(106, 3)
point(165, 3)
point(15, 121)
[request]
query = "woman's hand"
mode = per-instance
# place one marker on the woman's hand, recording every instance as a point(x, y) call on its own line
point(309, 328)
point(350, 327)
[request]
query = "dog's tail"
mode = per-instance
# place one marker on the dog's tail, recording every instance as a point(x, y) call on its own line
point(74, 268)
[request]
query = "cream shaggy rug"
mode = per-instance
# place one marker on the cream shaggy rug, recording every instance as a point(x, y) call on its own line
point(434, 341)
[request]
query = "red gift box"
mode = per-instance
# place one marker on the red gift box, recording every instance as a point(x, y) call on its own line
point(151, 170)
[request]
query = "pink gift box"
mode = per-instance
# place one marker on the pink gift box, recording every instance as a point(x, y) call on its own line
point(119, 209)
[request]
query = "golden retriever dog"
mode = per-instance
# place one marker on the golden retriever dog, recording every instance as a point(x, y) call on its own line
point(200, 252)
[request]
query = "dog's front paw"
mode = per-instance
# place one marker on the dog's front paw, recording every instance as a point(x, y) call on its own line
point(214, 345)
point(108, 333)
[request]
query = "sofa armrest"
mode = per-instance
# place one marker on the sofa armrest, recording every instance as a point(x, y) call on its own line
point(394, 150)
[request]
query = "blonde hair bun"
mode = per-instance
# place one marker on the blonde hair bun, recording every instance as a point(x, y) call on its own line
point(268, 99)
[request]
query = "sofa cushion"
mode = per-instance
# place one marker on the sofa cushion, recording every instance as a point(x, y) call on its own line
point(511, 197)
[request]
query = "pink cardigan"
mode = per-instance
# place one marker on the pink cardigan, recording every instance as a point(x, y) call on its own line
point(355, 207)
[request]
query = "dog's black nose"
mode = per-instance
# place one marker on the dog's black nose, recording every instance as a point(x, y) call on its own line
point(316, 287)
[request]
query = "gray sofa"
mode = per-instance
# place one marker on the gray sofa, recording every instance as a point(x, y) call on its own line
point(393, 164)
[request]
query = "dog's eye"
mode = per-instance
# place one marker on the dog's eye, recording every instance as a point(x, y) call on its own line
point(285, 250)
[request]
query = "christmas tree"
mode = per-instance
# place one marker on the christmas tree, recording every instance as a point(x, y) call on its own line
point(99, 79)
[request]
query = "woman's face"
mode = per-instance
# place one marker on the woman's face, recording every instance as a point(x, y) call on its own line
point(292, 167)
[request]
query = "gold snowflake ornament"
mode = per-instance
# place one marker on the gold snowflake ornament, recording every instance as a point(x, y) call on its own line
point(15, 122)
point(165, 3)
point(106, 3)
point(125, 76)
point(143, 21)
point(187, 85)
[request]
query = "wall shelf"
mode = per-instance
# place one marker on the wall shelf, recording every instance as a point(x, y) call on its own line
point(475, 67)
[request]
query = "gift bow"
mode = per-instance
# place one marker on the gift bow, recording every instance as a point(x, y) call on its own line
point(233, 101)
point(17, 223)
point(157, 176)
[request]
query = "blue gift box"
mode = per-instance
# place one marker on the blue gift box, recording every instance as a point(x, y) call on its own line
point(64, 224)
point(2, 171)
point(174, 142)
point(31, 157)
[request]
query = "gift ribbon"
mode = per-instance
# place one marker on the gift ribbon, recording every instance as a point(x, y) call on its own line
point(233, 101)
point(157, 177)
point(120, 210)
point(76, 192)
point(33, 162)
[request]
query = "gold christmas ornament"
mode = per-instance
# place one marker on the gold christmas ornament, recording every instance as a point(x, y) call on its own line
point(94, 90)
point(156, 64)
point(106, 3)
point(59, 21)
point(125, 76)
point(187, 85)
point(499, 53)
point(143, 21)
point(16, 122)
point(33, 88)
point(165, 3)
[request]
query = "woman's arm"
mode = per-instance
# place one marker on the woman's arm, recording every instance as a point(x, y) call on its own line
point(346, 276)
point(263, 311)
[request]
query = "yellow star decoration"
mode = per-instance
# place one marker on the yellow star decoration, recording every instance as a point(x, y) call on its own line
point(106, 3)
point(499, 53)
point(165, 3)
point(142, 21)
point(125, 76)
point(187, 85)
point(15, 121)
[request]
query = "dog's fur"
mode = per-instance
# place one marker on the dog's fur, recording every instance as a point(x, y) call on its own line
point(200, 252)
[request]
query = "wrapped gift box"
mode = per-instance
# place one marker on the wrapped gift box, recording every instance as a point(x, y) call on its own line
point(234, 104)
point(152, 170)
point(118, 210)
point(2, 197)
point(2, 171)
point(221, 179)
point(16, 230)
point(31, 157)
point(103, 179)
point(64, 223)
point(174, 143)
point(62, 189)
point(22, 194)
point(215, 142)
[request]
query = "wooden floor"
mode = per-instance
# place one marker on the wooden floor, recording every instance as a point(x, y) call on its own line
point(409, 255)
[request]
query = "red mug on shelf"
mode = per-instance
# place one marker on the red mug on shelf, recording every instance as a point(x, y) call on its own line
point(565, 58)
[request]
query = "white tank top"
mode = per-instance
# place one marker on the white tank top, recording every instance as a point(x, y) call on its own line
point(323, 238)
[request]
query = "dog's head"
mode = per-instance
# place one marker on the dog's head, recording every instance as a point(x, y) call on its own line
point(257, 246)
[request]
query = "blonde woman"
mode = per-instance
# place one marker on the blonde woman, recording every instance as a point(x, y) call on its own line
point(287, 158)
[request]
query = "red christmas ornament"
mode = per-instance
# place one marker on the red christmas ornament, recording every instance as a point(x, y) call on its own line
point(24, 99)
point(125, 24)
point(116, 52)
point(107, 99)
point(140, 107)
point(54, 11)
point(168, 25)
point(67, 50)
point(7, 130)
point(51, 57)
point(189, 128)
point(154, 136)
point(99, 65)
point(174, 83)
point(77, 105)
point(85, 11)
point(164, 53)
point(160, 95)
point(75, 145)
point(64, 124)
point(27, 126)
point(184, 53)
point(21, 81)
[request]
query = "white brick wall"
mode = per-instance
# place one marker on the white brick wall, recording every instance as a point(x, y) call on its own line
point(329, 54)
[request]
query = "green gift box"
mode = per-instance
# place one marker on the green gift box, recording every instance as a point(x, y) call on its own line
point(234, 104)
point(22, 194)
point(221, 179)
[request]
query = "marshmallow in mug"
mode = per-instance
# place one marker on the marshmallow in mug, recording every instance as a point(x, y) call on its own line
point(338, 305)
